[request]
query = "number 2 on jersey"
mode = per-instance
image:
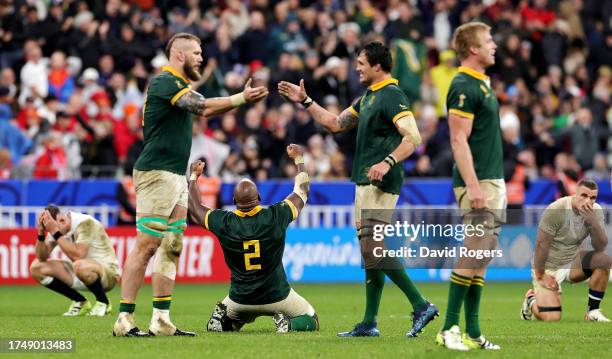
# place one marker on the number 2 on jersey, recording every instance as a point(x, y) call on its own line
point(250, 255)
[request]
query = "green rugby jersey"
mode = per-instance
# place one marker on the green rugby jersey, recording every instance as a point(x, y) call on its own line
point(470, 96)
point(378, 109)
point(253, 244)
point(166, 127)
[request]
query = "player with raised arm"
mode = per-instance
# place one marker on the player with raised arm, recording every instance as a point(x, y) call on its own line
point(253, 242)
point(92, 263)
point(386, 135)
point(558, 257)
point(478, 179)
point(161, 188)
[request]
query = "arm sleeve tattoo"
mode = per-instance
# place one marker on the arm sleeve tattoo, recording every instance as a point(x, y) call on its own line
point(347, 120)
point(192, 102)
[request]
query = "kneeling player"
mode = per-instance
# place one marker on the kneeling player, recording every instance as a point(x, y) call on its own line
point(253, 241)
point(563, 227)
point(92, 265)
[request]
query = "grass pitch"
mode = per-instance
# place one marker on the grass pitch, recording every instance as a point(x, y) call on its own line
point(35, 312)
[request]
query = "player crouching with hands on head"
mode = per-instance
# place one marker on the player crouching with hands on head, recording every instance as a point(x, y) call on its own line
point(92, 266)
point(253, 242)
point(558, 256)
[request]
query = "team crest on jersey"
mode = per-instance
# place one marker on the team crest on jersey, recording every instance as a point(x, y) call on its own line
point(178, 84)
point(403, 107)
point(461, 100)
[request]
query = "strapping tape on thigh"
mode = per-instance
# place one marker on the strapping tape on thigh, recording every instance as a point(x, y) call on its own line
point(152, 226)
point(177, 227)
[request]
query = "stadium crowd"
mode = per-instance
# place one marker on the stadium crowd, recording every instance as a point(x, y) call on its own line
point(73, 76)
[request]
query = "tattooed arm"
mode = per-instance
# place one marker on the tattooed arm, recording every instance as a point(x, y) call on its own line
point(197, 104)
point(347, 120)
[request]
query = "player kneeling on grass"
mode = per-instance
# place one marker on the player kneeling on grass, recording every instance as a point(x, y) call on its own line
point(564, 225)
point(92, 265)
point(253, 241)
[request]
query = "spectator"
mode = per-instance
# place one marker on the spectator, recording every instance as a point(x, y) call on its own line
point(318, 162)
point(34, 74)
point(553, 61)
point(212, 152)
point(337, 167)
point(52, 162)
point(61, 83)
point(441, 76)
point(106, 64)
point(584, 138)
point(252, 43)
point(600, 170)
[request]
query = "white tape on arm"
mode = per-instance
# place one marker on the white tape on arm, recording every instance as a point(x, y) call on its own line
point(300, 179)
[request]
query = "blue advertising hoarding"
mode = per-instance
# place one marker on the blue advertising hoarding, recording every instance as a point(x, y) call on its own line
point(332, 255)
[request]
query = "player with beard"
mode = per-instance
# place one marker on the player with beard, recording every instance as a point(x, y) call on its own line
point(161, 188)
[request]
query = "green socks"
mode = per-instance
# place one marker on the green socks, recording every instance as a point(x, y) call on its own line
point(303, 323)
point(162, 302)
point(375, 282)
point(472, 307)
point(401, 279)
point(459, 286)
point(126, 306)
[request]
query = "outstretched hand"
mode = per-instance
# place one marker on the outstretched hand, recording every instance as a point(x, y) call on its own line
point(291, 92)
point(254, 94)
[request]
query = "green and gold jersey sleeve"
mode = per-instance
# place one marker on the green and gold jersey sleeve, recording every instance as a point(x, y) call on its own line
point(462, 100)
point(284, 213)
point(395, 105)
point(213, 219)
point(354, 108)
point(168, 88)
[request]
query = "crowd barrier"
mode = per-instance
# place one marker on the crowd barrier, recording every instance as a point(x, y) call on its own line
point(415, 192)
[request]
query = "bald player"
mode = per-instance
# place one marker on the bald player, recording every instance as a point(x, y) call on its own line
point(161, 188)
point(558, 257)
point(253, 241)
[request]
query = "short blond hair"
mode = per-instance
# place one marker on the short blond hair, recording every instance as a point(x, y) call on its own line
point(465, 37)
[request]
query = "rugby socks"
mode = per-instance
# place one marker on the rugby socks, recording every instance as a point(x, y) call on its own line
point(98, 291)
point(62, 288)
point(459, 286)
point(472, 307)
point(595, 298)
point(401, 279)
point(375, 282)
point(304, 323)
point(126, 307)
point(162, 302)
